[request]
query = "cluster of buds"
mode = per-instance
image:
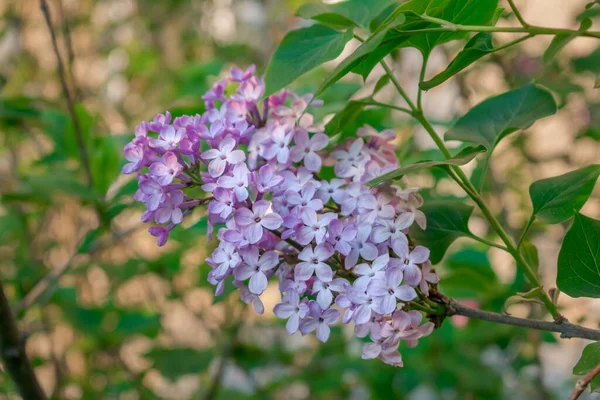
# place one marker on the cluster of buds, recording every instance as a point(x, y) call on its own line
point(338, 248)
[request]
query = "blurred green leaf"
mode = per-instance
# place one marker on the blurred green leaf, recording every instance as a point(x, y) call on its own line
point(590, 358)
point(579, 260)
point(344, 117)
point(559, 198)
point(174, 363)
point(106, 162)
point(589, 63)
point(493, 119)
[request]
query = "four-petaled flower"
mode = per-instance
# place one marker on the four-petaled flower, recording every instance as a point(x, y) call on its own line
point(313, 263)
point(167, 169)
point(256, 220)
point(319, 320)
point(305, 149)
point(293, 309)
point(254, 267)
point(314, 226)
point(388, 289)
point(223, 156)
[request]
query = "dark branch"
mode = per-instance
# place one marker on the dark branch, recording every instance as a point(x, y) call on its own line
point(85, 160)
point(583, 383)
point(566, 329)
point(12, 348)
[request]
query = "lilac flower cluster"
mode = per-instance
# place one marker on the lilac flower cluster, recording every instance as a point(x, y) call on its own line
point(338, 248)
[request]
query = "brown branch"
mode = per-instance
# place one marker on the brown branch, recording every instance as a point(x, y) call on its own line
point(85, 160)
point(583, 383)
point(66, 31)
point(12, 349)
point(566, 329)
point(42, 287)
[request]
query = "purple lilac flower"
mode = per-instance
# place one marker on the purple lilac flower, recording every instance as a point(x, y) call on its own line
point(292, 309)
point(387, 290)
point(319, 320)
point(257, 162)
point(166, 169)
point(223, 156)
point(254, 267)
point(313, 263)
point(255, 221)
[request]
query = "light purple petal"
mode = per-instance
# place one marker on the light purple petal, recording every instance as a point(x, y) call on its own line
point(405, 293)
point(258, 283)
point(323, 332)
point(419, 255)
point(272, 221)
point(312, 161)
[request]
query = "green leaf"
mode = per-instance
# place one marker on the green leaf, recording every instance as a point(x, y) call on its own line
point(362, 52)
point(561, 40)
point(344, 117)
point(479, 46)
point(345, 13)
point(579, 259)
point(381, 83)
point(530, 254)
point(462, 158)
point(559, 198)
point(174, 363)
point(105, 163)
point(466, 12)
point(462, 12)
point(491, 120)
point(446, 222)
point(589, 63)
point(590, 358)
point(301, 51)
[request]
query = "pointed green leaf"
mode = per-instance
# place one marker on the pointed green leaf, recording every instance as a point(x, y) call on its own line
point(559, 198)
point(302, 50)
point(579, 259)
point(561, 40)
point(597, 83)
point(491, 120)
point(480, 45)
point(590, 358)
point(344, 13)
point(344, 117)
point(465, 12)
point(446, 222)
point(462, 158)
point(362, 52)
point(530, 254)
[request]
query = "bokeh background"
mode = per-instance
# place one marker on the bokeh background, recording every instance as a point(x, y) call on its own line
point(111, 316)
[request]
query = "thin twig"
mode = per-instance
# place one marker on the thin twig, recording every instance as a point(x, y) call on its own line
point(85, 160)
point(583, 383)
point(66, 30)
point(517, 13)
point(566, 329)
point(12, 349)
point(42, 287)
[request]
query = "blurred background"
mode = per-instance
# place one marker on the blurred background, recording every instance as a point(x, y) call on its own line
point(108, 315)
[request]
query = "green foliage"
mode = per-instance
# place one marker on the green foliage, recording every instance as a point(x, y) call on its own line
point(559, 198)
point(301, 51)
point(176, 362)
point(345, 13)
point(588, 361)
point(589, 63)
point(495, 118)
point(446, 222)
point(479, 46)
point(463, 157)
point(579, 259)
